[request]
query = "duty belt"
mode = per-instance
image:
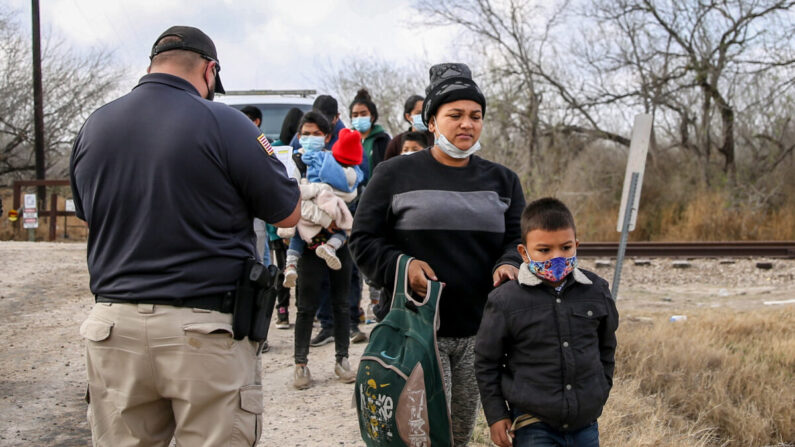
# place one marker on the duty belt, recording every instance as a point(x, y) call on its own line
point(220, 302)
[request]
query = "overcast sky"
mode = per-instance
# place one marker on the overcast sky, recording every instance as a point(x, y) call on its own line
point(262, 44)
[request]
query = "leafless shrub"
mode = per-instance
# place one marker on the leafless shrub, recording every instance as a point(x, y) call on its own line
point(74, 85)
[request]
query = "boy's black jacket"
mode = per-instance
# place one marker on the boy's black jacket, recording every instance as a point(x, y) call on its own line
point(546, 353)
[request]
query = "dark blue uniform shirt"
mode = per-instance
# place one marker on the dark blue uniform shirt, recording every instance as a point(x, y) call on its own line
point(169, 183)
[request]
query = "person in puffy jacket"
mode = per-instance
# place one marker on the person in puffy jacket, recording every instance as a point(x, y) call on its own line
point(545, 351)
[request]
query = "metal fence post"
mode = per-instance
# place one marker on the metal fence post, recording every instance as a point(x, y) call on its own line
point(622, 246)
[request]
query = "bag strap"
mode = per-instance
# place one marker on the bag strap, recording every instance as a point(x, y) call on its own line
point(401, 293)
point(401, 290)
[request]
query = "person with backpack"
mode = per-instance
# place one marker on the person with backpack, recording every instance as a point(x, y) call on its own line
point(458, 216)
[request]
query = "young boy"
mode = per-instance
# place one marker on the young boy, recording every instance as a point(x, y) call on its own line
point(413, 142)
point(544, 354)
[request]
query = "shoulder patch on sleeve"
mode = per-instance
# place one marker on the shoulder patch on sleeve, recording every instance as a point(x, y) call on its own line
point(263, 140)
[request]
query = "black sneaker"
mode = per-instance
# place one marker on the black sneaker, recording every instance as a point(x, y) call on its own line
point(282, 320)
point(265, 347)
point(323, 337)
point(357, 336)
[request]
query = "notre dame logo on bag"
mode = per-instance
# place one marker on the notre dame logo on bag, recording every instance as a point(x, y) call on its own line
point(377, 408)
point(399, 390)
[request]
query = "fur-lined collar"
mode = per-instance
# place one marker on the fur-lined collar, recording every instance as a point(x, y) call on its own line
point(527, 278)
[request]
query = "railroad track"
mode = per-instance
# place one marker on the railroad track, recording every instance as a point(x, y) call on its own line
point(767, 249)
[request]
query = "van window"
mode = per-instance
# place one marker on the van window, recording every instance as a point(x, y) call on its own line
point(273, 116)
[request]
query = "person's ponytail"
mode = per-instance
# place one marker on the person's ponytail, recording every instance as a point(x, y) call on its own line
point(363, 97)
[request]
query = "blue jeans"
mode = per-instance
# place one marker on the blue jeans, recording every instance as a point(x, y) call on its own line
point(542, 435)
point(263, 250)
point(298, 245)
point(266, 253)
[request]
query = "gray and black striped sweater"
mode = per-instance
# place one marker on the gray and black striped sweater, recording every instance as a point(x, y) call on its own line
point(464, 222)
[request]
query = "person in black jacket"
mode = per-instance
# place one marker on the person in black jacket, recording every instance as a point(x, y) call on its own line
point(458, 215)
point(547, 342)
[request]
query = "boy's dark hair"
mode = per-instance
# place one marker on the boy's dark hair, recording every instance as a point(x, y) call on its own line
point(419, 137)
point(549, 214)
point(290, 125)
point(363, 97)
point(326, 105)
point(316, 118)
point(252, 112)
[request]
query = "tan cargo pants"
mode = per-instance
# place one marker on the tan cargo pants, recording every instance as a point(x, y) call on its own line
point(157, 372)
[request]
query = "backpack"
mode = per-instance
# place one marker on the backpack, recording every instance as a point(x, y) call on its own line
point(399, 394)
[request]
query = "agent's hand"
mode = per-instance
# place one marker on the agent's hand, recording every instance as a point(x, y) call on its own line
point(500, 433)
point(504, 273)
point(419, 274)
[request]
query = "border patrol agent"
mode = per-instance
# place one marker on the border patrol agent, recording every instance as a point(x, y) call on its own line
point(169, 183)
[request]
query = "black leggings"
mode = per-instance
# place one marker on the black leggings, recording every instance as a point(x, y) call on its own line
point(311, 269)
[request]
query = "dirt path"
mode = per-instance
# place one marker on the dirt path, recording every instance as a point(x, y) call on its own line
point(44, 297)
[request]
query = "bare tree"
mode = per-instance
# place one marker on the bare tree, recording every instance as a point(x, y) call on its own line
point(389, 85)
point(765, 130)
point(521, 40)
point(674, 55)
point(74, 85)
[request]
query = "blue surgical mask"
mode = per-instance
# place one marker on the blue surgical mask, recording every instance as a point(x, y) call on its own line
point(416, 122)
point(312, 143)
point(361, 123)
point(452, 150)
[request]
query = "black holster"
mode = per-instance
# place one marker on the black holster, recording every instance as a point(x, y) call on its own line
point(255, 299)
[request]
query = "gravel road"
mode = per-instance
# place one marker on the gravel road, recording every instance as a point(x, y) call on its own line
point(44, 297)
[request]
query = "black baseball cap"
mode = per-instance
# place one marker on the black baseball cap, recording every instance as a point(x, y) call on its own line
point(191, 39)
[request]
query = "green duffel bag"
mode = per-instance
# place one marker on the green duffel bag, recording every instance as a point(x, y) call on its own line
point(399, 391)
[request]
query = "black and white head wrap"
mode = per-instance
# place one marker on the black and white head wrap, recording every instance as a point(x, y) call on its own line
point(450, 82)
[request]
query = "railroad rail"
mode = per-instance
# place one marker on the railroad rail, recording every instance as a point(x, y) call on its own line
point(767, 249)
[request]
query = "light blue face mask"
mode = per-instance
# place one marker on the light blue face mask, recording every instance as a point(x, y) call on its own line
point(361, 123)
point(416, 122)
point(452, 150)
point(312, 143)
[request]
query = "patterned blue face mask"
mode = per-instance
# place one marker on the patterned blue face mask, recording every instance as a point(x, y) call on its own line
point(553, 270)
point(416, 122)
point(312, 143)
point(361, 123)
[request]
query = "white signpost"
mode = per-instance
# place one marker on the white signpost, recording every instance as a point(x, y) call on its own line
point(30, 213)
point(30, 200)
point(633, 180)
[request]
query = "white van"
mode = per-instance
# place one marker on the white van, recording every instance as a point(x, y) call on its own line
point(273, 104)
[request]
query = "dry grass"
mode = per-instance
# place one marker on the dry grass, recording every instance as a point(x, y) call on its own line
point(721, 378)
point(675, 211)
point(707, 216)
